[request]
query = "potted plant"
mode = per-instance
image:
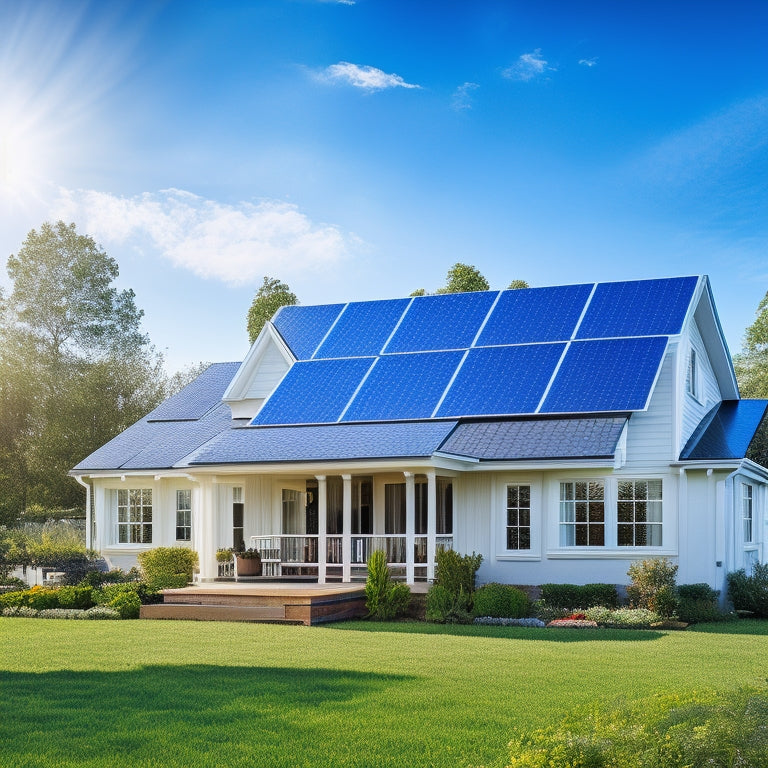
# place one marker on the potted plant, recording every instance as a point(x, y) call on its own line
point(224, 555)
point(248, 562)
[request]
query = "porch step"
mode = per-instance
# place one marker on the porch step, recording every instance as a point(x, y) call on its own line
point(193, 612)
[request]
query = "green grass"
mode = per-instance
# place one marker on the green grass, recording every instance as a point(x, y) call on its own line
point(153, 693)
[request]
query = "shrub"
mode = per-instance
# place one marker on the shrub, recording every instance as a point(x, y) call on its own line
point(167, 567)
point(384, 598)
point(445, 607)
point(41, 598)
point(698, 602)
point(653, 585)
point(456, 572)
point(75, 597)
point(546, 612)
point(750, 593)
point(622, 618)
point(102, 612)
point(13, 599)
point(501, 601)
point(109, 592)
point(572, 596)
point(127, 604)
point(716, 729)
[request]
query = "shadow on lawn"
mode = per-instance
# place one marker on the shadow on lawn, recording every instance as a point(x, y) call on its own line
point(738, 627)
point(538, 634)
point(175, 715)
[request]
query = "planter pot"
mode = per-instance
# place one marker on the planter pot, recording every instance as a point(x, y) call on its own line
point(249, 566)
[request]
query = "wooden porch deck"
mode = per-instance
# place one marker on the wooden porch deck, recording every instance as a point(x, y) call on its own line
point(282, 603)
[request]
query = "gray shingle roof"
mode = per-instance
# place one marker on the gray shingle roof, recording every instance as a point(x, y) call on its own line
point(726, 431)
point(325, 443)
point(536, 439)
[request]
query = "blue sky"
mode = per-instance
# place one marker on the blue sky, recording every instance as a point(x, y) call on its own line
point(356, 150)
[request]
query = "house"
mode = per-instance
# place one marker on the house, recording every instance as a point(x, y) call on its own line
point(562, 432)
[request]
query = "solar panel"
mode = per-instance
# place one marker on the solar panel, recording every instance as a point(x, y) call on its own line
point(606, 375)
point(363, 328)
point(404, 386)
point(638, 308)
point(303, 328)
point(529, 315)
point(314, 392)
point(501, 380)
point(447, 321)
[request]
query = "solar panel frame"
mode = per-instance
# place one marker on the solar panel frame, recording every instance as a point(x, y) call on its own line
point(483, 386)
point(314, 392)
point(304, 328)
point(405, 386)
point(442, 322)
point(532, 315)
point(638, 308)
point(378, 318)
point(606, 375)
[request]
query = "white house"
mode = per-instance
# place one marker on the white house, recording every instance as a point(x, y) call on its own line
point(562, 432)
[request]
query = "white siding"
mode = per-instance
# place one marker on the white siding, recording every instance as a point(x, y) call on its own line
point(708, 391)
point(269, 370)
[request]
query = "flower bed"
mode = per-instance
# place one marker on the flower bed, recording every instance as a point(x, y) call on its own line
point(494, 621)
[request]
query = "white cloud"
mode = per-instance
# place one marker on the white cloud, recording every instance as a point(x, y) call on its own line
point(528, 67)
point(368, 78)
point(462, 97)
point(234, 243)
point(591, 62)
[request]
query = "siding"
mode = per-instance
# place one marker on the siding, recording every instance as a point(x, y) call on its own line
point(269, 370)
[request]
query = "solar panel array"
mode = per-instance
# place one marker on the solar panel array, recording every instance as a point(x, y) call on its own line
point(585, 348)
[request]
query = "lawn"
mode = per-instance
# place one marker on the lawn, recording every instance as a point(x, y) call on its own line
point(153, 693)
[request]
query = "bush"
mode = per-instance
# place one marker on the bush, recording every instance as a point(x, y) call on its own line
point(715, 729)
point(445, 607)
point(167, 567)
point(456, 572)
point(127, 604)
point(384, 598)
point(40, 598)
point(750, 593)
point(698, 602)
point(501, 601)
point(653, 586)
point(569, 597)
point(13, 599)
point(622, 618)
point(75, 597)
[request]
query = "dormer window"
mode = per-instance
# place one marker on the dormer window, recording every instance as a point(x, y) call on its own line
point(693, 385)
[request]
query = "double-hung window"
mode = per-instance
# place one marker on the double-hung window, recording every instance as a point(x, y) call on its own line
point(692, 379)
point(134, 516)
point(747, 512)
point(582, 513)
point(184, 515)
point(639, 513)
point(518, 517)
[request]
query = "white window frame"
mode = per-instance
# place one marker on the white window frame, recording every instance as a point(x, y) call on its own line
point(692, 379)
point(518, 522)
point(635, 502)
point(568, 513)
point(135, 515)
point(184, 514)
point(748, 513)
point(499, 538)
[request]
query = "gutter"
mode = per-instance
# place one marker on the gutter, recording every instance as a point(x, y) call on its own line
point(88, 514)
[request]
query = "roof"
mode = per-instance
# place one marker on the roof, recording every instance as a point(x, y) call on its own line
point(174, 429)
point(726, 431)
point(574, 349)
point(533, 439)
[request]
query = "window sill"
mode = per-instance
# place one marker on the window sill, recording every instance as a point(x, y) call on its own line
point(600, 553)
point(126, 548)
point(518, 556)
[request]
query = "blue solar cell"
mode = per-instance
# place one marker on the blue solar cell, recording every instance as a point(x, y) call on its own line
point(501, 380)
point(606, 375)
point(530, 315)
point(404, 387)
point(303, 328)
point(314, 392)
point(447, 321)
point(638, 308)
point(363, 328)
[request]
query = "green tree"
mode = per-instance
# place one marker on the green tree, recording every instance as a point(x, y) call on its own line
point(462, 278)
point(515, 285)
point(272, 295)
point(751, 366)
point(75, 367)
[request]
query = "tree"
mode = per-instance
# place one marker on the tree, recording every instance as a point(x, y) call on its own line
point(75, 367)
point(271, 295)
point(462, 278)
point(516, 285)
point(751, 366)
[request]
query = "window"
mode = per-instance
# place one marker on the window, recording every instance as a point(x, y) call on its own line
point(421, 494)
point(134, 516)
point(518, 517)
point(444, 522)
point(639, 513)
point(746, 511)
point(183, 515)
point(692, 383)
point(394, 508)
point(238, 514)
point(334, 510)
point(582, 513)
point(362, 495)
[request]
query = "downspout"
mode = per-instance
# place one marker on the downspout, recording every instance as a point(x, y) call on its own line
point(88, 514)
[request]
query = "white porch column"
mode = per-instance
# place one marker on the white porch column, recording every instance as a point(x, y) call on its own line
point(431, 524)
point(206, 543)
point(346, 541)
point(410, 524)
point(322, 528)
